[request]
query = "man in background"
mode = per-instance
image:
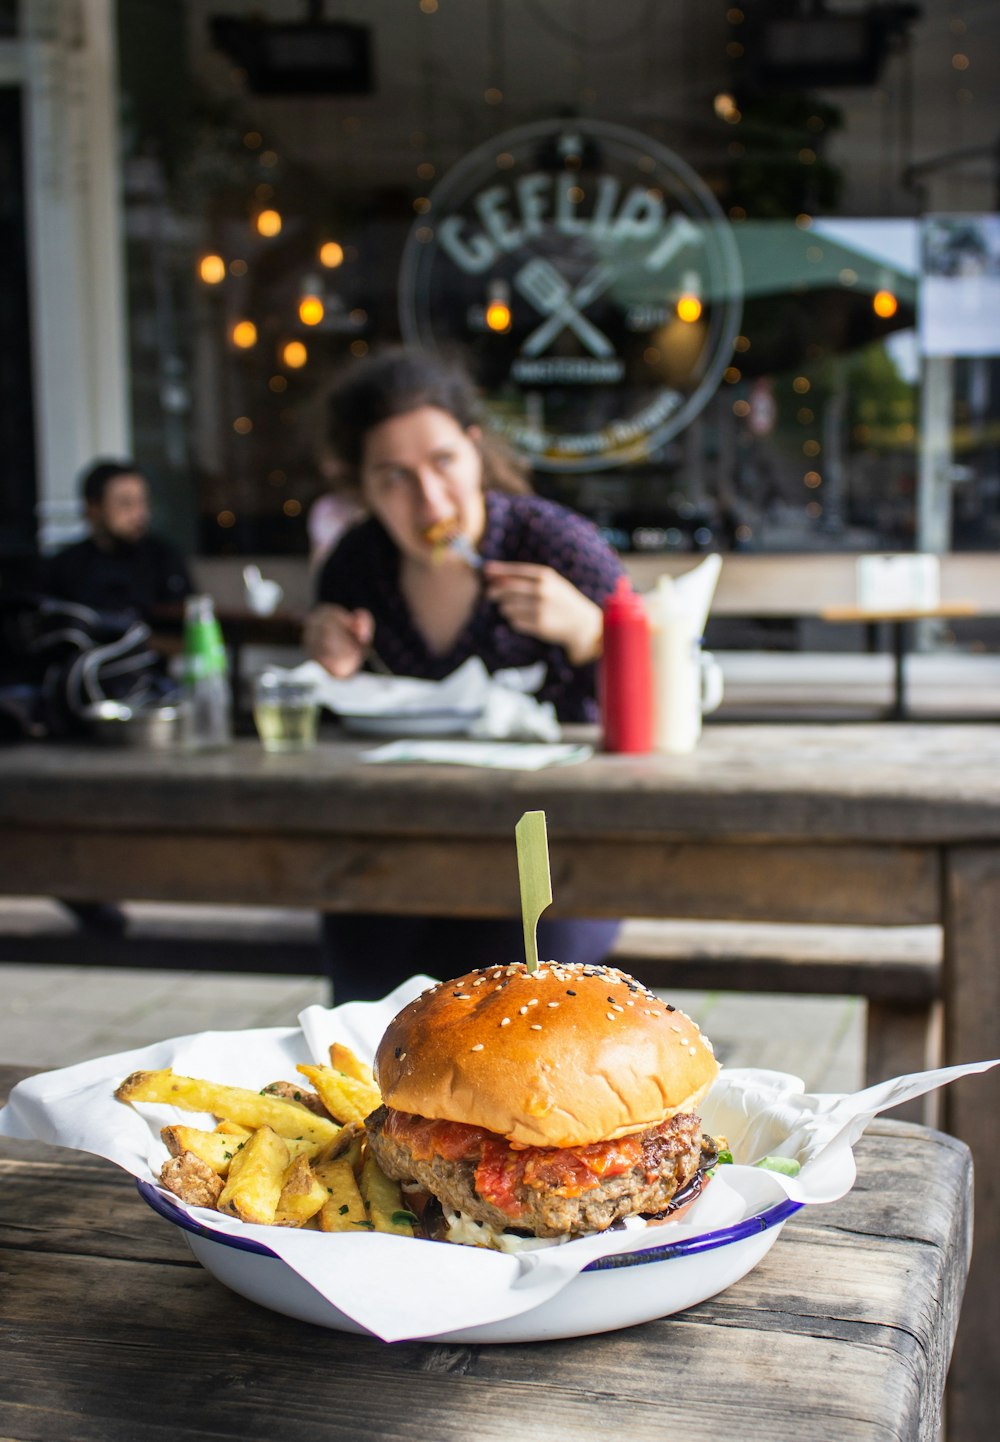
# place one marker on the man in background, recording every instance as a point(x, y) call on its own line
point(122, 568)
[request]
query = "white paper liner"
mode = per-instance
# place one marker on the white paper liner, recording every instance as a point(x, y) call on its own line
point(498, 706)
point(400, 1288)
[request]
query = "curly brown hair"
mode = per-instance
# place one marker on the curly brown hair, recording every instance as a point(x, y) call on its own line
point(401, 379)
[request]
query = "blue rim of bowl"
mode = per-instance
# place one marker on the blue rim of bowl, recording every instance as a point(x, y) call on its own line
point(773, 1216)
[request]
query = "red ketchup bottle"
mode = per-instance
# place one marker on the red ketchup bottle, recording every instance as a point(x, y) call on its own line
point(626, 673)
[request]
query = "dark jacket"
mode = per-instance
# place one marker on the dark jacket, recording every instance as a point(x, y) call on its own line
point(129, 580)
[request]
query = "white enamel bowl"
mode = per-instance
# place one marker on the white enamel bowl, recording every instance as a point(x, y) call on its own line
point(613, 1292)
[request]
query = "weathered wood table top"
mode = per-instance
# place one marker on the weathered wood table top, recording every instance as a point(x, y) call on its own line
point(866, 824)
point(902, 783)
point(111, 1332)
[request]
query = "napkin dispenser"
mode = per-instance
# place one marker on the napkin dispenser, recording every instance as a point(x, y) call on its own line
point(898, 583)
point(687, 682)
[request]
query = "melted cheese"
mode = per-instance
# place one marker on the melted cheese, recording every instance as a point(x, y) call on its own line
point(469, 1233)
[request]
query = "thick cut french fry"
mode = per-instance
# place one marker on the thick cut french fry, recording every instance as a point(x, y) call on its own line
point(297, 1146)
point(302, 1195)
point(344, 1060)
point(256, 1173)
point(296, 1094)
point(215, 1149)
point(384, 1200)
point(232, 1129)
point(248, 1108)
point(191, 1179)
point(344, 1097)
point(347, 1143)
point(343, 1210)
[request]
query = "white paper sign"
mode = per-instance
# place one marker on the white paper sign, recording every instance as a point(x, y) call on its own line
point(898, 583)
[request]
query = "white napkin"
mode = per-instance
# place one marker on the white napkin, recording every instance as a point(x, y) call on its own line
point(695, 590)
point(496, 755)
point(498, 706)
point(398, 1287)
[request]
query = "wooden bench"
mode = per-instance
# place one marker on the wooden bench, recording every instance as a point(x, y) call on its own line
point(256, 940)
point(763, 603)
point(897, 970)
point(805, 585)
point(761, 585)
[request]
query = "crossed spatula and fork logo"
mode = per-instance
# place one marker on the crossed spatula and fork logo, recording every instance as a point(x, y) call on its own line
point(563, 304)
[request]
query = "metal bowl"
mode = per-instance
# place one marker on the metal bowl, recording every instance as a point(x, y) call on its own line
point(147, 728)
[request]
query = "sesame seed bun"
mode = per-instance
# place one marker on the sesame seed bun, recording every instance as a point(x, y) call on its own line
point(563, 1057)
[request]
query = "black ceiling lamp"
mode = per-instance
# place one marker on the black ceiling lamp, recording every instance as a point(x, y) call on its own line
point(799, 44)
point(309, 57)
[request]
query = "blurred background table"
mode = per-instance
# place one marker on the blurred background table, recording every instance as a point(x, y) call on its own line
point(887, 825)
point(844, 1330)
point(901, 622)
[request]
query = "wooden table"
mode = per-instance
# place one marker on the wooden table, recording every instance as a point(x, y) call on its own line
point(901, 622)
point(874, 824)
point(110, 1331)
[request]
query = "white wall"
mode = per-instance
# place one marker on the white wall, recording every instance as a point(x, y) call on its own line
point(75, 258)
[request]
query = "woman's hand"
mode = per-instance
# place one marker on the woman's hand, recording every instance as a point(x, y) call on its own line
point(338, 639)
point(539, 602)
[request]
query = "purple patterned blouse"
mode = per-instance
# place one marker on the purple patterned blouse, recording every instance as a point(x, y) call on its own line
point(363, 571)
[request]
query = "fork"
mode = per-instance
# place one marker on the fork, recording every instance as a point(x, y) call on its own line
point(464, 548)
point(551, 293)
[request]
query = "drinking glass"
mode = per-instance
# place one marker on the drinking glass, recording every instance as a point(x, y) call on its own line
point(285, 711)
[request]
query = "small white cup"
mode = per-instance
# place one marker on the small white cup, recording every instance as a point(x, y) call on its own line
point(263, 596)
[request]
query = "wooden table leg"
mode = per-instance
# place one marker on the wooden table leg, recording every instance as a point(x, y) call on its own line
point(971, 1111)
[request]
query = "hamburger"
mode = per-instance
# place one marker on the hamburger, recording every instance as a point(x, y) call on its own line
point(542, 1105)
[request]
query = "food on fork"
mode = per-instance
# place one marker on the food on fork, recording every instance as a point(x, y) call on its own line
point(441, 532)
point(541, 1105)
point(447, 535)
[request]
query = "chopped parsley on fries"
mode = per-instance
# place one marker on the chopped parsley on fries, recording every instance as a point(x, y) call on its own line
point(284, 1156)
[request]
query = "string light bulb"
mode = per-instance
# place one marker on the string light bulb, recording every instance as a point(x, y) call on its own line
point(311, 310)
point(689, 305)
point(884, 304)
point(294, 355)
point(331, 254)
point(269, 223)
point(498, 316)
point(212, 269)
point(244, 334)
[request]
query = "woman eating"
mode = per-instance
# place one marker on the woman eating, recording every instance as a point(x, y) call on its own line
point(455, 558)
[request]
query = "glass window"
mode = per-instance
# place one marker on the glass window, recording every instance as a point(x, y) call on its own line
point(301, 188)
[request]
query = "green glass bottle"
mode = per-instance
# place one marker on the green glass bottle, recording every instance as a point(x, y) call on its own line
point(207, 706)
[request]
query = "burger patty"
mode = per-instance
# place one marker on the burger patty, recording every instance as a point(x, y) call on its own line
point(670, 1156)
